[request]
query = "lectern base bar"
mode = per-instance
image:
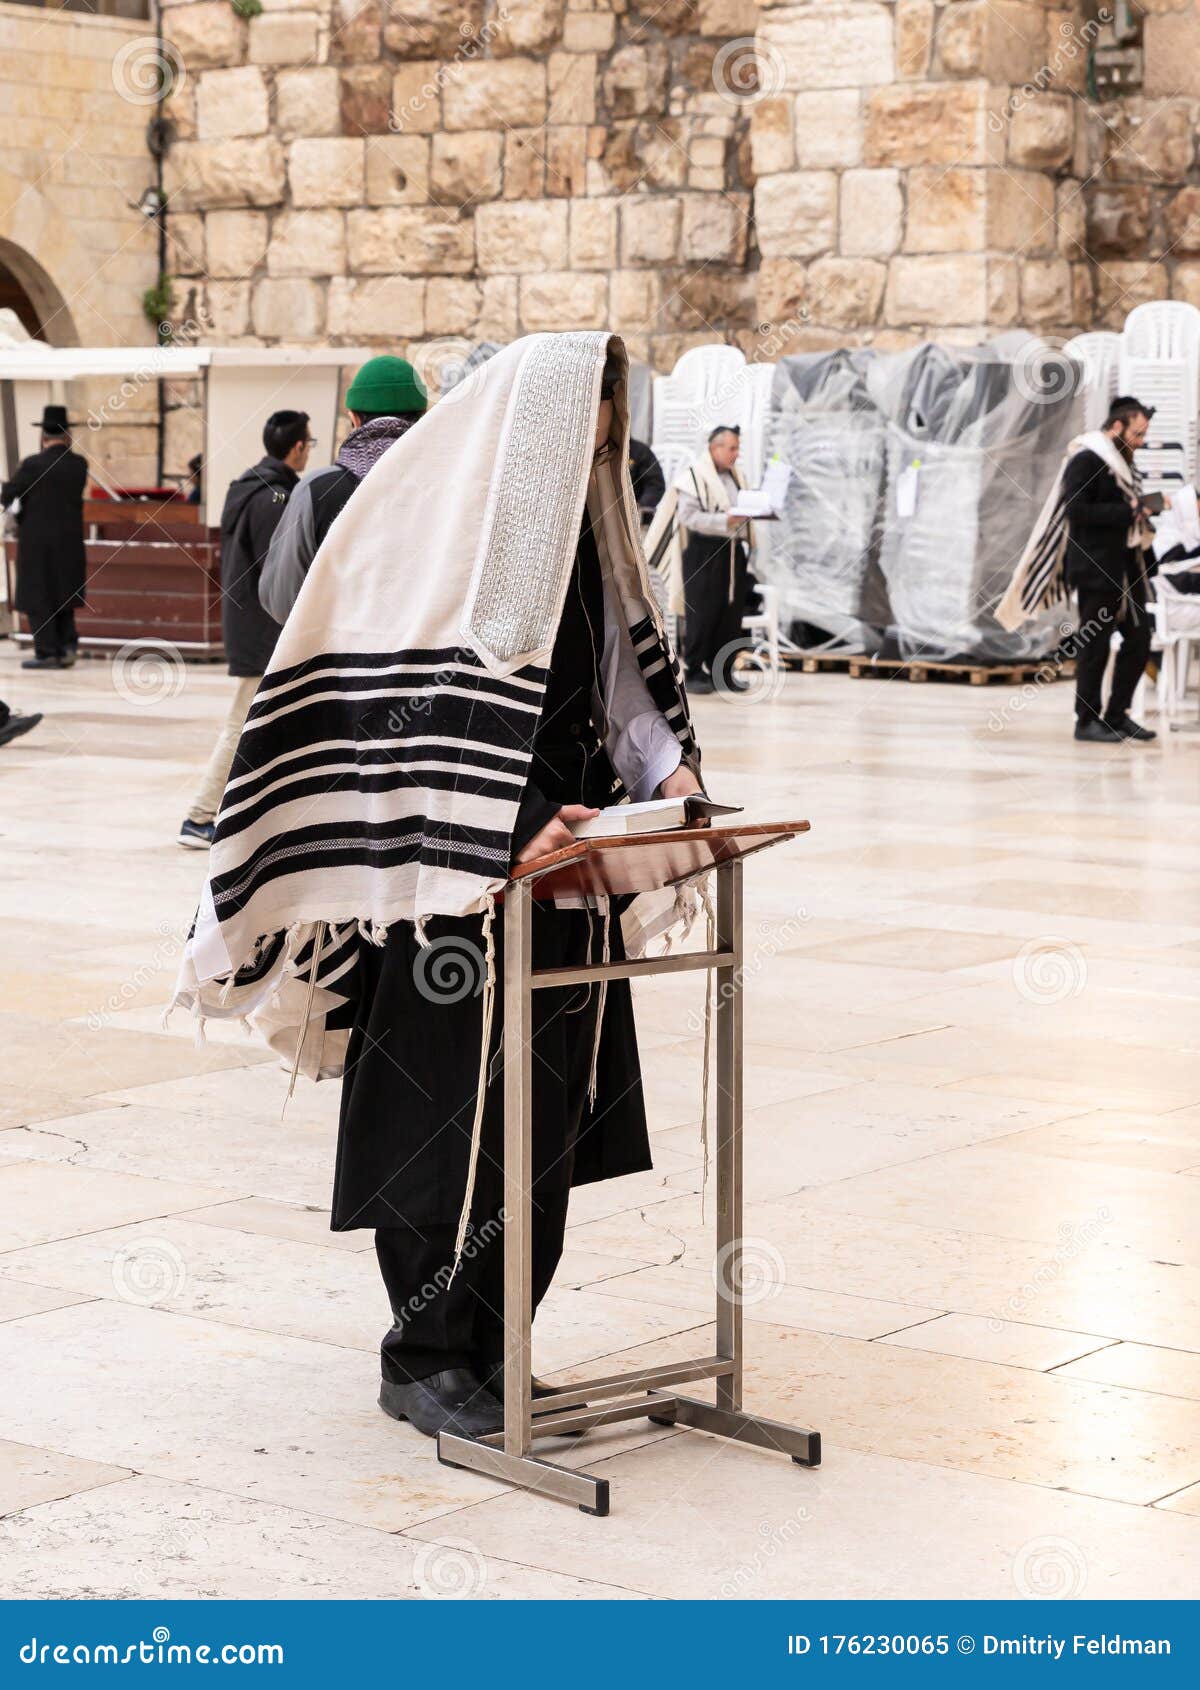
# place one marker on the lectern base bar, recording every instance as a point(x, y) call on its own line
point(803, 1447)
point(543, 1477)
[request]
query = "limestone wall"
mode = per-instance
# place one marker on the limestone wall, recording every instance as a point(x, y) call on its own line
point(73, 157)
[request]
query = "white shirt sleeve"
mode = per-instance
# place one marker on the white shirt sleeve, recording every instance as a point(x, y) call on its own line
point(641, 743)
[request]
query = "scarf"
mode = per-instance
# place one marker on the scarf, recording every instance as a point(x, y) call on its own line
point(664, 537)
point(1039, 580)
point(365, 445)
point(383, 760)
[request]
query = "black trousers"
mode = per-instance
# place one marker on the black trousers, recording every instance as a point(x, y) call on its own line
point(714, 598)
point(1102, 613)
point(441, 1321)
point(55, 636)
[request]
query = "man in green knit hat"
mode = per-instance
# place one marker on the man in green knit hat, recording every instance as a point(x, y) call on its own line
point(384, 400)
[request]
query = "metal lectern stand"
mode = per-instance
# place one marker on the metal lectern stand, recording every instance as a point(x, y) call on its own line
point(608, 868)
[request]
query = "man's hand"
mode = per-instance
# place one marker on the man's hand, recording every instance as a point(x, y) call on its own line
point(732, 522)
point(680, 783)
point(556, 832)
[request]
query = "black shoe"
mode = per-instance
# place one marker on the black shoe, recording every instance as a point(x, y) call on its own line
point(700, 683)
point(197, 835)
point(43, 663)
point(18, 725)
point(454, 1401)
point(1126, 728)
point(1099, 733)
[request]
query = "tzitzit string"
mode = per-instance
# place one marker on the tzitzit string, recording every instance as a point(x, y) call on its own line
point(489, 1004)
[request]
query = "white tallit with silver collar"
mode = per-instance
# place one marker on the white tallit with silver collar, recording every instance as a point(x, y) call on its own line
point(381, 767)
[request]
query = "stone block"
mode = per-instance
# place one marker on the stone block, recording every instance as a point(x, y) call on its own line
point(926, 123)
point(236, 242)
point(1118, 219)
point(1046, 295)
point(714, 228)
point(914, 38)
point(288, 308)
point(326, 172)
point(227, 309)
point(522, 235)
point(782, 291)
point(417, 98)
point(1182, 221)
point(210, 175)
point(206, 33)
point(417, 29)
point(829, 129)
point(1020, 213)
point(592, 234)
point(451, 304)
point(634, 83)
point(307, 102)
point(650, 226)
point(498, 309)
point(494, 95)
point(566, 160)
point(845, 293)
point(1123, 283)
point(558, 301)
point(365, 98)
point(1003, 41)
point(524, 164)
point(772, 144)
point(939, 291)
point(283, 38)
point(355, 33)
point(1171, 63)
point(465, 166)
point(1150, 141)
point(838, 44)
point(870, 213)
point(392, 305)
point(410, 240)
point(571, 84)
point(796, 213)
point(1041, 134)
point(530, 27)
point(398, 170)
point(307, 243)
point(231, 102)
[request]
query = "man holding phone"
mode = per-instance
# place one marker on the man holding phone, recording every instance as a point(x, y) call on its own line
point(1108, 539)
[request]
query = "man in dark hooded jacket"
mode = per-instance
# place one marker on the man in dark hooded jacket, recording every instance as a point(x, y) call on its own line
point(51, 562)
point(253, 506)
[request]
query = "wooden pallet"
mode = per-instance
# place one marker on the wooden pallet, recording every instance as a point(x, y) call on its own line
point(813, 662)
point(977, 674)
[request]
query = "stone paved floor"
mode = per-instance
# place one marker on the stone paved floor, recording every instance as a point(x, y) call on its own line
point(973, 1114)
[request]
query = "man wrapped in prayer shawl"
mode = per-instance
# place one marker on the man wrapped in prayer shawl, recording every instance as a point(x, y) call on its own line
point(474, 661)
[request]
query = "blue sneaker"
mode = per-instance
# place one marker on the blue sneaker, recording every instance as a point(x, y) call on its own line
point(197, 835)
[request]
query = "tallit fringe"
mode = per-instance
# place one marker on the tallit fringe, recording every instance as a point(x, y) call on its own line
point(489, 1003)
point(318, 947)
point(601, 999)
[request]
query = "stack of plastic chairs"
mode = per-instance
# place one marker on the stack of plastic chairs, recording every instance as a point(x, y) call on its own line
point(1160, 364)
point(1100, 354)
point(706, 387)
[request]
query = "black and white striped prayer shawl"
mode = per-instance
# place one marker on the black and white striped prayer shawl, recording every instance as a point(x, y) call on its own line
point(1039, 581)
point(381, 766)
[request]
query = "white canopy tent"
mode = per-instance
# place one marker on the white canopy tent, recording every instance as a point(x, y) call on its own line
point(242, 385)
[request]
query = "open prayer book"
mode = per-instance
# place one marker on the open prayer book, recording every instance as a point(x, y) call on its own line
point(767, 500)
point(652, 816)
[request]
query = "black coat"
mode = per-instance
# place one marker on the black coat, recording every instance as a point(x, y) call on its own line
point(649, 483)
point(1099, 557)
point(253, 507)
point(50, 555)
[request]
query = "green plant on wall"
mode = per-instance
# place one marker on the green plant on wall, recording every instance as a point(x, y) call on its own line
point(247, 8)
point(159, 301)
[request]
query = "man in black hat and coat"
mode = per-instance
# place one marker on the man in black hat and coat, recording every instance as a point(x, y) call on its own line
point(50, 555)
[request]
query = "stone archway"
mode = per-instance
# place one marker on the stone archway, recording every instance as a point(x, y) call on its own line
point(45, 261)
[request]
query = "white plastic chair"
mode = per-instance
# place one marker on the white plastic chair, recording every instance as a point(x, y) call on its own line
point(1100, 354)
point(1177, 626)
point(763, 626)
point(1160, 364)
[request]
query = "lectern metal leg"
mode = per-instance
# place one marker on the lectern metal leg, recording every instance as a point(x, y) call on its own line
point(804, 1447)
point(518, 1168)
point(542, 1477)
point(728, 1274)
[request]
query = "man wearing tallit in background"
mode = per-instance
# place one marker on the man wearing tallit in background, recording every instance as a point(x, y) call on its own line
point(473, 663)
point(705, 554)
